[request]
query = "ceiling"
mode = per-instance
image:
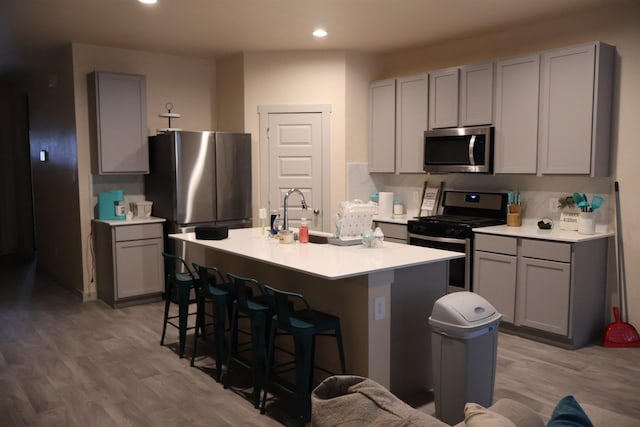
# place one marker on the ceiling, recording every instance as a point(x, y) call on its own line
point(214, 28)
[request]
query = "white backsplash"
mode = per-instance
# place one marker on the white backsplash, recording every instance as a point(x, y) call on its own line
point(536, 191)
point(131, 185)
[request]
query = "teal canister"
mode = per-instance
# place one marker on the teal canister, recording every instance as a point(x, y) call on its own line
point(107, 203)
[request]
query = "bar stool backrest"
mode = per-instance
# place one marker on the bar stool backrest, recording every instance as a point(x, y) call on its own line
point(210, 276)
point(171, 263)
point(284, 303)
point(244, 289)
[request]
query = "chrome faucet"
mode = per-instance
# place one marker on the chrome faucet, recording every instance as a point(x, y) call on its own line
point(285, 220)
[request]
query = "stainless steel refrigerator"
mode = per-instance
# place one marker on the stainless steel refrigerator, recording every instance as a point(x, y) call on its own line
point(199, 179)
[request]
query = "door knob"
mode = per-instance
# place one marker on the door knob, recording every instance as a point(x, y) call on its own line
point(316, 211)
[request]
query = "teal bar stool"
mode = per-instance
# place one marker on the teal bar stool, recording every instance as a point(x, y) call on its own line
point(249, 302)
point(212, 290)
point(179, 288)
point(304, 325)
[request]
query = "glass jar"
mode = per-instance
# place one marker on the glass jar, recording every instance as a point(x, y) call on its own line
point(303, 232)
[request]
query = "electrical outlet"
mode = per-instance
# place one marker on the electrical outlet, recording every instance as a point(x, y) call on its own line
point(416, 196)
point(553, 205)
point(379, 308)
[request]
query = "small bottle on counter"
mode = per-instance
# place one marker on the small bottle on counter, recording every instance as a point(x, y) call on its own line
point(378, 238)
point(303, 232)
point(274, 226)
point(398, 209)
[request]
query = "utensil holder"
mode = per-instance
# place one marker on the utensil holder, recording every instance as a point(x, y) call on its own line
point(514, 217)
point(587, 223)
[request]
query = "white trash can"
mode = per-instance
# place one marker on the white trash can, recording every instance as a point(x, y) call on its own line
point(464, 346)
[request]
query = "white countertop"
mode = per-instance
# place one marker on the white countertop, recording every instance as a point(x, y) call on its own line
point(322, 260)
point(529, 229)
point(134, 221)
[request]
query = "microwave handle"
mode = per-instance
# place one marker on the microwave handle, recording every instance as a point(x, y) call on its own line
point(472, 143)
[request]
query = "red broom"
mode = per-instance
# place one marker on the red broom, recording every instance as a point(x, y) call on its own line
point(620, 333)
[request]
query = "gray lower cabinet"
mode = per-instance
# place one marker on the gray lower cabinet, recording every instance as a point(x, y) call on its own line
point(495, 273)
point(129, 264)
point(547, 289)
point(544, 285)
point(393, 232)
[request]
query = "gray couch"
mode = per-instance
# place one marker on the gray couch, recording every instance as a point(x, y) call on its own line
point(347, 400)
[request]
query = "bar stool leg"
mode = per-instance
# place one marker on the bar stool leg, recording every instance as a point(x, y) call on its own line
point(166, 315)
point(304, 373)
point(258, 362)
point(220, 307)
point(340, 349)
point(183, 313)
point(233, 344)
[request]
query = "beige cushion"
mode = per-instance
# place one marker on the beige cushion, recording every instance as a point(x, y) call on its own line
point(519, 414)
point(476, 415)
point(349, 400)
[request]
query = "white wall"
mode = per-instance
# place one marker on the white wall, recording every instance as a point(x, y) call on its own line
point(297, 78)
point(188, 83)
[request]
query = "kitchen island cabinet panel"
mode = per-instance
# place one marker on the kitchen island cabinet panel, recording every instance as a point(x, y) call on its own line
point(516, 130)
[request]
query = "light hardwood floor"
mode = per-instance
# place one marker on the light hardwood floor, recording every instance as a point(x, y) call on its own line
point(68, 363)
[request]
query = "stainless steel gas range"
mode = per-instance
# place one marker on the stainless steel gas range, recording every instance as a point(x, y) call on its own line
point(462, 211)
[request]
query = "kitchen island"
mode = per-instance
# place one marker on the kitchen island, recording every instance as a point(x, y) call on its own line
point(383, 297)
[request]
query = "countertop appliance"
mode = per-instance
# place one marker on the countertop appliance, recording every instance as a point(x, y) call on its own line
point(462, 211)
point(468, 149)
point(108, 205)
point(199, 179)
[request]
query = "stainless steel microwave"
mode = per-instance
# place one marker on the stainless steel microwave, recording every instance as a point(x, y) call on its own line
point(468, 149)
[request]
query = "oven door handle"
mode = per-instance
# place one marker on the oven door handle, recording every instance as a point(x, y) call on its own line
point(437, 239)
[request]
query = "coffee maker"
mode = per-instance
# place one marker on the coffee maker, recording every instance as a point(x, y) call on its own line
point(111, 205)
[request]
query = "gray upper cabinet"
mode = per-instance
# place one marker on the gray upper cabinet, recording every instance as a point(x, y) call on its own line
point(516, 122)
point(382, 119)
point(411, 122)
point(575, 109)
point(118, 121)
point(476, 94)
point(443, 98)
point(461, 96)
point(397, 121)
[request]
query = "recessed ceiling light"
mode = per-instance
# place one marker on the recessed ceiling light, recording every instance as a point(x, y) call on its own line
point(319, 33)
point(148, 1)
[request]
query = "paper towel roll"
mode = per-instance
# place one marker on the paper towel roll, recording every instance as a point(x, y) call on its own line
point(385, 204)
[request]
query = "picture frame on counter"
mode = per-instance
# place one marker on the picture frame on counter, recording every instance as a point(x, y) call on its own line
point(431, 196)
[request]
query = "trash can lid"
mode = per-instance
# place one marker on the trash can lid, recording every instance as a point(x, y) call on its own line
point(463, 310)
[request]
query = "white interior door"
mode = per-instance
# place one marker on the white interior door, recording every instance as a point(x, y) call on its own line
point(295, 161)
